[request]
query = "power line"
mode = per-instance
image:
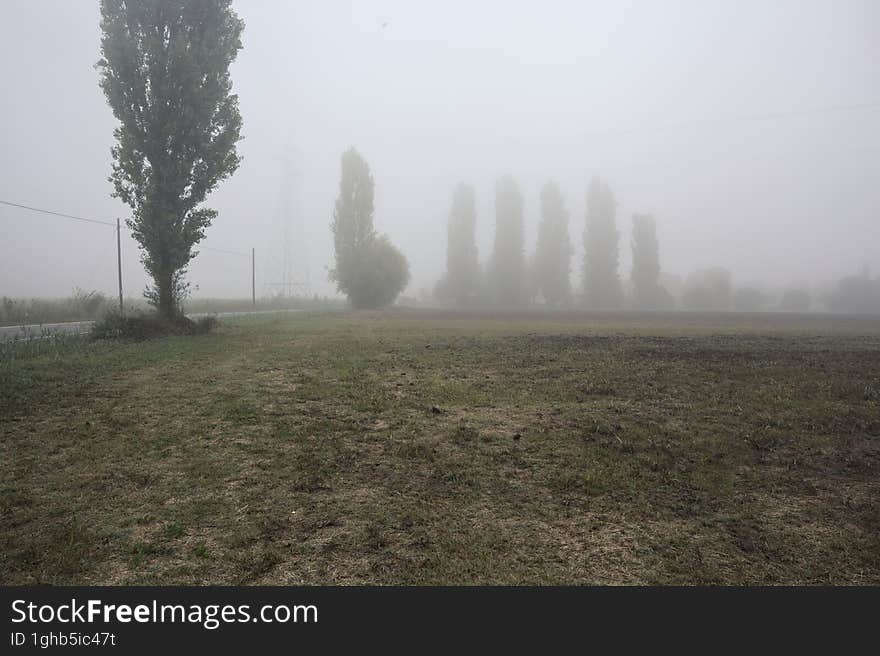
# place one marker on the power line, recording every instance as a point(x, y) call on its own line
point(218, 250)
point(745, 118)
point(62, 214)
point(107, 223)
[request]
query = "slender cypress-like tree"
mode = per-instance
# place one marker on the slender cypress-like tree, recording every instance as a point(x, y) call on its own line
point(165, 73)
point(601, 281)
point(552, 259)
point(647, 292)
point(462, 267)
point(507, 267)
point(353, 214)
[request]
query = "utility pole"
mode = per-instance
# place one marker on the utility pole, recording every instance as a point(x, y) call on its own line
point(119, 262)
point(253, 278)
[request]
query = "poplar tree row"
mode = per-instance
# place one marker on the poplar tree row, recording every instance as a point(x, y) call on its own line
point(512, 280)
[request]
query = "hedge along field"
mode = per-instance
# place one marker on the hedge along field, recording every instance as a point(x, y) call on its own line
point(441, 447)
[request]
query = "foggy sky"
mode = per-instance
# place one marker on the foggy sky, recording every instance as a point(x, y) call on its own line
point(652, 96)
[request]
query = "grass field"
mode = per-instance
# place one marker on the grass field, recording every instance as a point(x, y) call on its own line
point(431, 447)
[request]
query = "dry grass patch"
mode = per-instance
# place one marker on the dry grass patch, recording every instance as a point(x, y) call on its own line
point(448, 448)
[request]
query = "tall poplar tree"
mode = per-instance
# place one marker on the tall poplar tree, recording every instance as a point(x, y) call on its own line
point(507, 267)
point(165, 74)
point(462, 267)
point(601, 280)
point(647, 291)
point(552, 260)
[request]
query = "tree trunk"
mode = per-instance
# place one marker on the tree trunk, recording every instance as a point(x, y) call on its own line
point(167, 302)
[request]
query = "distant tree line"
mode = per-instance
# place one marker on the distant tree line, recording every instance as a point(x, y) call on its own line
point(510, 279)
point(372, 272)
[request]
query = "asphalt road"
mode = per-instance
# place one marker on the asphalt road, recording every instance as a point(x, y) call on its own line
point(41, 331)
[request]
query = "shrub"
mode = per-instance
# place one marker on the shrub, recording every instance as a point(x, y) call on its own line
point(146, 325)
